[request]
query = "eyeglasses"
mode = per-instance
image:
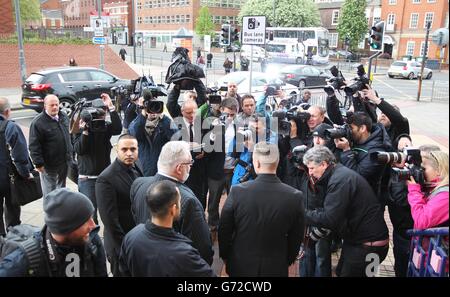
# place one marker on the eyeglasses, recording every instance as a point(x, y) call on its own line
point(190, 163)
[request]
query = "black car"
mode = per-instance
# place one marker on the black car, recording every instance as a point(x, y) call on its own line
point(69, 84)
point(303, 76)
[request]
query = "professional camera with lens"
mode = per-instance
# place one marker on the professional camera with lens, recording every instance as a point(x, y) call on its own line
point(284, 118)
point(151, 104)
point(360, 82)
point(336, 82)
point(413, 168)
point(273, 89)
point(343, 131)
point(93, 114)
point(297, 154)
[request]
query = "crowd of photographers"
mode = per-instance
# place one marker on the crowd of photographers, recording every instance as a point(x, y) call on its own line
point(301, 180)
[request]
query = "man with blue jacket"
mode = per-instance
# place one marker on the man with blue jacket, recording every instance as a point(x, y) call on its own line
point(13, 145)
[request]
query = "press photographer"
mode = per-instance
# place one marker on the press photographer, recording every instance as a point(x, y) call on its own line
point(365, 138)
point(350, 208)
point(151, 128)
point(185, 76)
point(93, 143)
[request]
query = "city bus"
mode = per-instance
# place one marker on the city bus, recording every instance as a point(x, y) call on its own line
point(312, 39)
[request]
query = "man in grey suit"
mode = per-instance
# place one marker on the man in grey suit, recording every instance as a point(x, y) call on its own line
point(174, 164)
point(262, 222)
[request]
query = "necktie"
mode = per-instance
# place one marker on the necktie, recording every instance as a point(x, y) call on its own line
point(191, 133)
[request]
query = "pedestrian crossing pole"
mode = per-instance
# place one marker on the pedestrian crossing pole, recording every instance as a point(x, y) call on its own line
point(424, 59)
point(102, 47)
point(23, 70)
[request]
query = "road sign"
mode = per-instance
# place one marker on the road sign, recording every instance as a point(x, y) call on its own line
point(98, 27)
point(99, 40)
point(254, 30)
point(440, 36)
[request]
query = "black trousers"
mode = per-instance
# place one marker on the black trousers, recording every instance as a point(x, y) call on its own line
point(215, 193)
point(197, 181)
point(10, 208)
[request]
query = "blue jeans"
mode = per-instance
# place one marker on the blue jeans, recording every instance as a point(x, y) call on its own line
point(316, 261)
point(87, 187)
point(401, 254)
point(53, 178)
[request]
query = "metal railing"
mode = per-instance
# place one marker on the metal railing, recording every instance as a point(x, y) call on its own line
point(439, 91)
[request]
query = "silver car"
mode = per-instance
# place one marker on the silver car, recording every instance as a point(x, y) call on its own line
point(408, 69)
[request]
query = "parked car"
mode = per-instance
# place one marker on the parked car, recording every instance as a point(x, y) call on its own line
point(233, 48)
point(69, 84)
point(408, 69)
point(303, 76)
point(259, 81)
point(259, 53)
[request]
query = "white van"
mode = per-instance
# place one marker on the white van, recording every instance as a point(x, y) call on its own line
point(258, 52)
point(283, 52)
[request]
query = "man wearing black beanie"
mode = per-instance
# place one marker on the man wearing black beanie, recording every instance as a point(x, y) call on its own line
point(67, 246)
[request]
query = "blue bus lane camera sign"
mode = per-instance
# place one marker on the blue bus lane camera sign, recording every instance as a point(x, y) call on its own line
point(99, 40)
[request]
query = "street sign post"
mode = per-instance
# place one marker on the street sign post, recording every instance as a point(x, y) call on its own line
point(207, 43)
point(253, 33)
point(99, 40)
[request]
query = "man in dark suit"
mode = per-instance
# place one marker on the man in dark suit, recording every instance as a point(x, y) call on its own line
point(174, 164)
point(112, 190)
point(155, 248)
point(262, 222)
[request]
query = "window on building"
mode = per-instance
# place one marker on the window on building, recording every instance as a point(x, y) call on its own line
point(410, 48)
point(139, 5)
point(422, 48)
point(431, 1)
point(428, 18)
point(362, 43)
point(416, 1)
point(333, 40)
point(391, 19)
point(392, 2)
point(414, 20)
point(188, 18)
point(335, 17)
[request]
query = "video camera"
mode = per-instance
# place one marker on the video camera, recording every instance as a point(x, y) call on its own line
point(343, 131)
point(336, 82)
point(147, 88)
point(412, 158)
point(213, 95)
point(360, 82)
point(272, 89)
point(317, 233)
point(284, 118)
point(297, 154)
point(93, 114)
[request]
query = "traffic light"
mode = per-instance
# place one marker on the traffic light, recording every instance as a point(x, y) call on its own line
point(376, 36)
point(234, 34)
point(225, 36)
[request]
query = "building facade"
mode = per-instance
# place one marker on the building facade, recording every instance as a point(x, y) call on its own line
point(162, 19)
point(331, 10)
point(7, 25)
point(52, 15)
point(406, 24)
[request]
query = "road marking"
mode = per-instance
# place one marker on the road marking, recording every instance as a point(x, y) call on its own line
point(389, 86)
point(23, 118)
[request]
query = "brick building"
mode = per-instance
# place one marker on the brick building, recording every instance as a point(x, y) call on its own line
point(7, 25)
point(406, 24)
point(52, 14)
point(330, 11)
point(163, 18)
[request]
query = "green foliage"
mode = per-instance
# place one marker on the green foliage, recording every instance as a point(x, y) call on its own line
point(30, 10)
point(204, 24)
point(353, 22)
point(33, 38)
point(288, 13)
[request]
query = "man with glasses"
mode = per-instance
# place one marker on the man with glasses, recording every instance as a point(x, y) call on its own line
point(174, 164)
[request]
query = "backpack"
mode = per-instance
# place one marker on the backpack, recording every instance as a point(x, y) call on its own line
point(22, 236)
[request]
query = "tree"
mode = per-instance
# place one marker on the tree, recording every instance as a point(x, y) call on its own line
point(288, 13)
point(353, 22)
point(204, 24)
point(30, 10)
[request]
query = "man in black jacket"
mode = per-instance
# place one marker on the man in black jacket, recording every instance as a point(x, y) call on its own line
point(174, 164)
point(351, 208)
point(262, 222)
point(50, 145)
point(155, 249)
point(10, 135)
point(67, 246)
point(94, 150)
point(112, 190)
point(366, 139)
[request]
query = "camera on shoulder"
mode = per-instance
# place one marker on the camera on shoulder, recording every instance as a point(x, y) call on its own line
point(93, 114)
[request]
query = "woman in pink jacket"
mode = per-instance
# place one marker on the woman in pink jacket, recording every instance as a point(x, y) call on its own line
point(429, 204)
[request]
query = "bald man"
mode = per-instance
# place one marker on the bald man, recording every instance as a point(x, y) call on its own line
point(50, 145)
point(262, 222)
